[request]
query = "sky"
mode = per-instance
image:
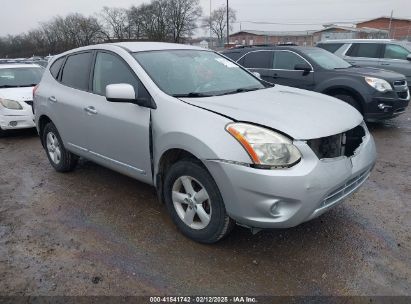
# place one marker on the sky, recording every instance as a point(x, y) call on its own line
point(18, 16)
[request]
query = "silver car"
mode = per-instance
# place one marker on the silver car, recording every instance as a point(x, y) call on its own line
point(219, 145)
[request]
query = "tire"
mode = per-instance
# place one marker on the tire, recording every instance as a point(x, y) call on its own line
point(61, 159)
point(202, 205)
point(2, 133)
point(350, 100)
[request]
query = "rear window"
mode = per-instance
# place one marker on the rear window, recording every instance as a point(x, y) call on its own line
point(331, 47)
point(55, 67)
point(76, 71)
point(366, 50)
point(258, 60)
point(233, 55)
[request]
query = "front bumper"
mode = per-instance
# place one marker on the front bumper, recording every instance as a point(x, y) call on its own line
point(288, 197)
point(17, 119)
point(386, 105)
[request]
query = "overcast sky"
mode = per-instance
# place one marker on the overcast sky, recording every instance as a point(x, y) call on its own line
point(17, 16)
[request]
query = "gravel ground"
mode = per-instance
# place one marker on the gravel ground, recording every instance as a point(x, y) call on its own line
point(96, 232)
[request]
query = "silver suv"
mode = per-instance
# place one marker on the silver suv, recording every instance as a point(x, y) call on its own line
point(219, 145)
point(385, 54)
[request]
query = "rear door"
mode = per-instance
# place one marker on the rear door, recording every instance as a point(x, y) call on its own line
point(67, 100)
point(119, 133)
point(364, 54)
point(260, 61)
point(284, 73)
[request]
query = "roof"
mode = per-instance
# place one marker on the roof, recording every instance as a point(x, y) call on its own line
point(385, 17)
point(274, 33)
point(18, 65)
point(357, 40)
point(152, 46)
point(354, 29)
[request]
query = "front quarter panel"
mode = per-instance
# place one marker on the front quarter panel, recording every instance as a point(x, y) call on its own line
point(178, 125)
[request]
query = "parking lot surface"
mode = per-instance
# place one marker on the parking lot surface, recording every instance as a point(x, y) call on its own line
point(96, 232)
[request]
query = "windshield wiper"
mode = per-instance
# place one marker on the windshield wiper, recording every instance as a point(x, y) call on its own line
point(7, 86)
point(240, 90)
point(192, 95)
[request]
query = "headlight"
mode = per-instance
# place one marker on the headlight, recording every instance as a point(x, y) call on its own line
point(379, 84)
point(11, 104)
point(267, 149)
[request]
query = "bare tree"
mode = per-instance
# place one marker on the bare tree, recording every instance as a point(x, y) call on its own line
point(116, 23)
point(218, 22)
point(183, 17)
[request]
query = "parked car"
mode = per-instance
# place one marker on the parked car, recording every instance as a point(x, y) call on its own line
point(220, 145)
point(375, 93)
point(16, 95)
point(386, 54)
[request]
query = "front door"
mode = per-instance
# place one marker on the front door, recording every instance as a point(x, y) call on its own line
point(118, 133)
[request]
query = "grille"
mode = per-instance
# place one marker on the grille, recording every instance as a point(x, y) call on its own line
point(30, 103)
point(343, 144)
point(345, 190)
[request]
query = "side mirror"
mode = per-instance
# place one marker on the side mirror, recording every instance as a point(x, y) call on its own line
point(306, 68)
point(409, 57)
point(123, 92)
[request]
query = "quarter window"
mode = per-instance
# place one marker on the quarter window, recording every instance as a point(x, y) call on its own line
point(76, 71)
point(286, 60)
point(366, 50)
point(331, 47)
point(258, 60)
point(393, 51)
point(110, 69)
point(55, 67)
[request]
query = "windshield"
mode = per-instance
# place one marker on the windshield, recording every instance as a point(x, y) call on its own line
point(20, 77)
point(326, 59)
point(192, 73)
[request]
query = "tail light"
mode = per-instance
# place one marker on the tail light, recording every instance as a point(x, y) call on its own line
point(34, 90)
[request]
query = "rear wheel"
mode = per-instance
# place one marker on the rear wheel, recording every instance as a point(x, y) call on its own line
point(61, 159)
point(350, 100)
point(195, 203)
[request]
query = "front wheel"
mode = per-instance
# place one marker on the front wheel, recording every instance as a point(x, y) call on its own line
point(195, 203)
point(61, 159)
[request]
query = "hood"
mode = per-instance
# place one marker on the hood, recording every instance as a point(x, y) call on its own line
point(18, 94)
point(373, 72)
point(299, 113)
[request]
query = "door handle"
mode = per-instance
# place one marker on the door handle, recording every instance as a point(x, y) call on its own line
point(91, 110)
point(53, 99)
point(385, 64)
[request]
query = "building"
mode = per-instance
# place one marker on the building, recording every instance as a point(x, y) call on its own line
point(345, 32)
point(400, 28)
point(251, 37)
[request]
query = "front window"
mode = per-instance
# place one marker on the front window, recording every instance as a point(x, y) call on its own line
point(20, 77)
point(326, 59)
point(393, 51)
point(192, 73)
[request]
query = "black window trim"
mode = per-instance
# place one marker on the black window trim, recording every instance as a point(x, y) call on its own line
point(89, 69)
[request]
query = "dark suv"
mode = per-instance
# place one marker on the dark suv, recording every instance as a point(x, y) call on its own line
point(376, 93)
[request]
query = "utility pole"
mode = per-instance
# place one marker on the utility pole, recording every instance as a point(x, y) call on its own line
point(228, 25)
point(210, 44)
point(389, 27)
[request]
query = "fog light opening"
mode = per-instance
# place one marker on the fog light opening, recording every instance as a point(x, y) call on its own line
point(275, 209)
point(384, 107)
point(13, 123)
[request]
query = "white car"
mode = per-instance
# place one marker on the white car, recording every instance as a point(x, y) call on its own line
point(16, 95)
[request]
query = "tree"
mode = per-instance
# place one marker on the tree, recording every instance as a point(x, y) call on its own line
point(183, 17)
point(116, 23)
point(218, 22)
